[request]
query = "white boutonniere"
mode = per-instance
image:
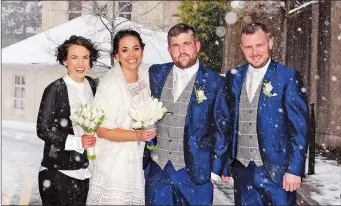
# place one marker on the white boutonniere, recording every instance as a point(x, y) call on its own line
point(267, 88)
point(199, 95)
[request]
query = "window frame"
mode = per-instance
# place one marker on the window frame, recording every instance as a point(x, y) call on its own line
point(76, 11)
point(122, 10)
point(19, 95)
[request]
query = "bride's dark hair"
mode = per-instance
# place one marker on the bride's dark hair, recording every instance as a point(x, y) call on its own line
point(123, 33)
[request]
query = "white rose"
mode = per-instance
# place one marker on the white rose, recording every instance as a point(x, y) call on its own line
point(80, 120)
point(74, 118)
point(137, 125)
point(201, 96)
point(92, 125)
point(268, 87)
point(86, 123)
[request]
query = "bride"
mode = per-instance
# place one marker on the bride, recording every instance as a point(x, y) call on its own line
point(117, 174)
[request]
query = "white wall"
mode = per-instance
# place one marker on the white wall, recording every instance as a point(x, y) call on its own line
point(37, 78)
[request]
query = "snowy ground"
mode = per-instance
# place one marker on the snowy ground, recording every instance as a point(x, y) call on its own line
point(325, 186)
point(22, 152)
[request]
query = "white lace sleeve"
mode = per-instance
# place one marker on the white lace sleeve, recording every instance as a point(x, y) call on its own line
point(105, 97)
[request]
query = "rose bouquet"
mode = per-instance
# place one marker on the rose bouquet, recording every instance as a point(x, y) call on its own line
point(146, 114)
point(89, 118)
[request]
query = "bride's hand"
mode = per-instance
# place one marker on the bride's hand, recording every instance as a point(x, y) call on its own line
point(88, 140)
point(146, 135)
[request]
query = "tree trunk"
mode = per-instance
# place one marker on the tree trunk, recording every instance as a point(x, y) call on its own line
point(285, 31)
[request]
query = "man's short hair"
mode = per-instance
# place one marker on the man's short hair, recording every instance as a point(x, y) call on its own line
point(180, 28)
point(251, 28)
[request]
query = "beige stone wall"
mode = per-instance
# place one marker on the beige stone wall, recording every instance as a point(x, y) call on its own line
point(54, 13)
point(158, 15)
point(36, 80)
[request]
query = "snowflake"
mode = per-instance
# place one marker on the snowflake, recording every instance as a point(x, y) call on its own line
point(64, 122)
point(338, 127)
point(233, 71)
point(326, 23)
point(299, 29)
point(304, 90)
point(317, 76)
point(231, 17)
point(247, 19)
point(334, 78)
point(280, 110)
point(339, 37)
point(46, 183)
point(217, 42)
point(77, 158)
point(220, 31)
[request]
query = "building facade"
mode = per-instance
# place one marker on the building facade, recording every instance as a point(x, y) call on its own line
point(156, 15)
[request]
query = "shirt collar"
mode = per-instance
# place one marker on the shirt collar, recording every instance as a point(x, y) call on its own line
point(261, 70)
point(68, 80)
point(189, 71)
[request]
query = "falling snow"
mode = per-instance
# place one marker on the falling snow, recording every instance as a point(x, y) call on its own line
point(234, 71)
point(334, 78)
point(231, 17)
point(63, 122)
point(220, 31)
point(47, 183)
point(247, 19)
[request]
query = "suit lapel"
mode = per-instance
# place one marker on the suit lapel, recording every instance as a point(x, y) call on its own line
point(270, 76)
point(238, 85)
point(199, 82)
point(158, 79)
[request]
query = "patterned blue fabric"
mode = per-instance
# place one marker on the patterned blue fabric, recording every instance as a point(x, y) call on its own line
point(207, 124)
point(171, 187)
point(253, 186)
point(282, 121)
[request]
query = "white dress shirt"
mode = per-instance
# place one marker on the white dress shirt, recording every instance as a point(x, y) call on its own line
point(257, 75)
point(79, 93)
point(186, 76)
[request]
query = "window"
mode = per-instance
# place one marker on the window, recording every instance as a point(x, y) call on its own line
point(125, 9)
point(75, 9)
point(19, 92)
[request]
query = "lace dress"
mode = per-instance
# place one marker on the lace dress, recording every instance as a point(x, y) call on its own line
point(123, 184)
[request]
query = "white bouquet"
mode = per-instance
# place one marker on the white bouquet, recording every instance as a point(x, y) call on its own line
point(146, 114)
point(89, 118)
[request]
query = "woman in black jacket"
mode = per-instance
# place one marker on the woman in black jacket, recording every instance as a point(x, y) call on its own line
point(64, 174)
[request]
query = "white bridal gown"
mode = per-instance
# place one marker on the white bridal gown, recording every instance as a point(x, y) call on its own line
point(118, 177)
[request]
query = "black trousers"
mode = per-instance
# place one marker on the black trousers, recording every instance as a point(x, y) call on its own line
point(57, 188)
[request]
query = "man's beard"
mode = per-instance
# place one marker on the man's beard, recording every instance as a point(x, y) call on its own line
point(190, 63)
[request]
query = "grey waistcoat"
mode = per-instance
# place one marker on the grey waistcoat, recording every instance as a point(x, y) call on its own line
point(170, 130)
point(247, 140)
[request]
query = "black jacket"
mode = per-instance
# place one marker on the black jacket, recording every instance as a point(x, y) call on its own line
point(54, 125)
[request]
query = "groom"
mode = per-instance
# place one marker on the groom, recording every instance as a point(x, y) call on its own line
point(270, 117)
point(192, 141)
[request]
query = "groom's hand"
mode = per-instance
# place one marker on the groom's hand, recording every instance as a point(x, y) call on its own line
point(291, 182)
point(225, 179)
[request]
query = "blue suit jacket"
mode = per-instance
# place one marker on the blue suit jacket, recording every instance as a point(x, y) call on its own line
point(282, 120)
point(206, 125)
